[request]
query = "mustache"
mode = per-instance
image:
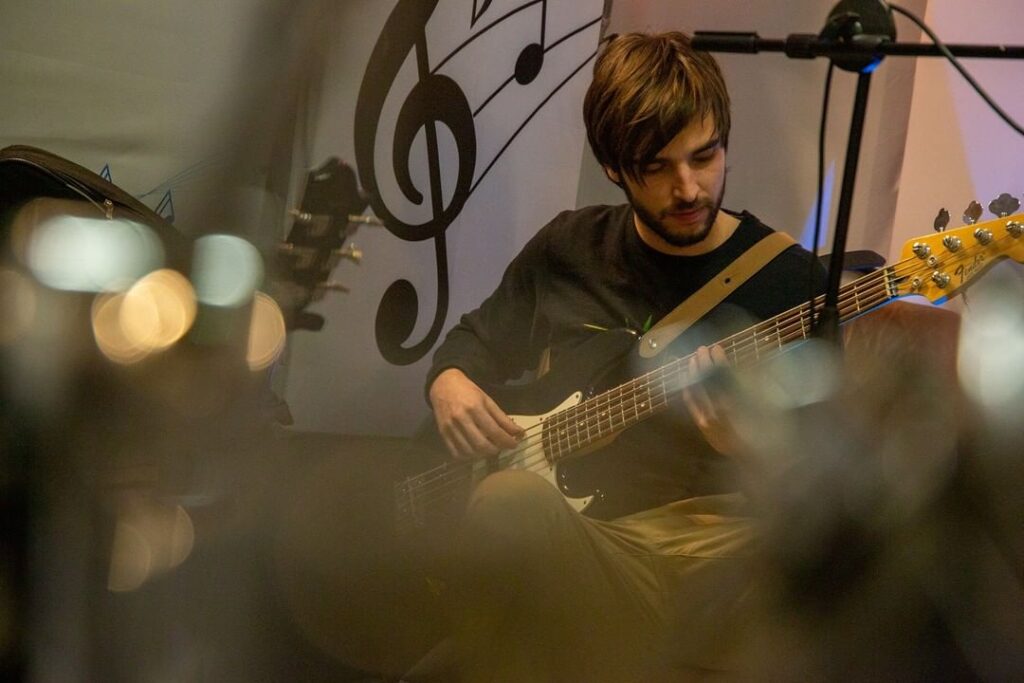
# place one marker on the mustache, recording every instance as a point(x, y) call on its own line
point(679, 207)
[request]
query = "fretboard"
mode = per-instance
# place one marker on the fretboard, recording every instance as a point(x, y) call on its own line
point(598, 418)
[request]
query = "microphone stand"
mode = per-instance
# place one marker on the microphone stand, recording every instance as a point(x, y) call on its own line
point(857, 36)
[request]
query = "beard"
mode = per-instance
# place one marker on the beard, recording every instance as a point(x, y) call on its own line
point(657, 224)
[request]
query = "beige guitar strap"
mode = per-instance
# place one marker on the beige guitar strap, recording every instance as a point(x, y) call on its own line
point(694, 307)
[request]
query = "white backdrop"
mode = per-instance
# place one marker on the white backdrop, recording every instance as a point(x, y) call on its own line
point(958, 150)
point(337, 379)
point(163, 92)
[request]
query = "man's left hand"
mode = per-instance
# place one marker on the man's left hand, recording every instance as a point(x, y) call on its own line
point(710, 410)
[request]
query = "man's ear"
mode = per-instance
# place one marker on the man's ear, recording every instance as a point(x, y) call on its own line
point(612, 175)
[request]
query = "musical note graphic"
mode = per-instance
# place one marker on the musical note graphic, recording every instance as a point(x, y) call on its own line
point(479, 9)
point(434, 100)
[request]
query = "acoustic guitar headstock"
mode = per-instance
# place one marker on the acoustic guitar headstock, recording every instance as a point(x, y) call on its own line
point(327, 217)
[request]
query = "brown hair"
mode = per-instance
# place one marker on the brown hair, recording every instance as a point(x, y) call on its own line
point(647, 88)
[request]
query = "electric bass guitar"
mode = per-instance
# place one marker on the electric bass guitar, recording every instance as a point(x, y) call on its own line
point(575, 422)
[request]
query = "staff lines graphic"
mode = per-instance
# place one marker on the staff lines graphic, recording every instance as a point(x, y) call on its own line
point(529, 118)
point(547, 49)
point(495, 23)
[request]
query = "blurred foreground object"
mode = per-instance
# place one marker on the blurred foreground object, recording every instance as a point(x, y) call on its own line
point(892, 503)
point(131, 360)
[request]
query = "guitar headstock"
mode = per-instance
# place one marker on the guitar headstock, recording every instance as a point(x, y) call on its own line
point(327, 217)
point(937, 265)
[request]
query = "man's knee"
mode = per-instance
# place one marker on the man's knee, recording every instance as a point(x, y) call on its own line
point(514, 494)
point(516, 510)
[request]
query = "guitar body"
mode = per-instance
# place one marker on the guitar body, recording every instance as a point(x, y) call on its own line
point(591, 366)
point(539, 462)
point(597, 364)
point(437, 497)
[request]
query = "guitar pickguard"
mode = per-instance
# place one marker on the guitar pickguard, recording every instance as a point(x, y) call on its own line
point(532, 455)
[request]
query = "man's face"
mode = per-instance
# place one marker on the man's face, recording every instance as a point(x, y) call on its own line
point(678, 194)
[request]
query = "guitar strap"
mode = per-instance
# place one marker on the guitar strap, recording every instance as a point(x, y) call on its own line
point(694, 307)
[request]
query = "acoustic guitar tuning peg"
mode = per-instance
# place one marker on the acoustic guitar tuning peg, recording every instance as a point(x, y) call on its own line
point(351, 252)
point(973, 213)
point(333, 286)
point(941, 220)
point(1004, 205)
point(360, 219)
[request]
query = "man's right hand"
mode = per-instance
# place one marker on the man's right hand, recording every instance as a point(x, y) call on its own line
point(471, 423)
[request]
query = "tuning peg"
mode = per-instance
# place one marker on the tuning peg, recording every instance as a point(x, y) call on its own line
point(351, 252)
point(941, 220)
point(333, 286)
point(941, 280)
point(365, 220)
point(973, 213)
point(1004, 205)
point(317, 223)
point(302, 257)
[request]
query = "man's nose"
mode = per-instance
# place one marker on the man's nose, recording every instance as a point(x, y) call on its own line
point(684, 184)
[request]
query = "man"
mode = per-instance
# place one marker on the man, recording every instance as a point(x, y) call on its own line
point(566, 596)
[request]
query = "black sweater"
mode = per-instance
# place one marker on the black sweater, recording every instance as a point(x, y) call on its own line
point(588, 270)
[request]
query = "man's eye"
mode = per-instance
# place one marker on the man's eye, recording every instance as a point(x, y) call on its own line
point(652, 168)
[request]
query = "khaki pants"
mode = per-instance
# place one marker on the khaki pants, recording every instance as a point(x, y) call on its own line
point(542, 593)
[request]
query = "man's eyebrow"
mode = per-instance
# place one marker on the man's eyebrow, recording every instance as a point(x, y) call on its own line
point(659, 159)
point(709, 145)
point(706, 147)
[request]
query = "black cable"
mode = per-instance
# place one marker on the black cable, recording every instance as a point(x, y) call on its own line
point(956, 64)
point(812, 290)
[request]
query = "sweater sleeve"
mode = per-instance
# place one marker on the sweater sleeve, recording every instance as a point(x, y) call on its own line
point(501, 339)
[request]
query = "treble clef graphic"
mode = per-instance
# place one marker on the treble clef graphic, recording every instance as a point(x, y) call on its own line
point(435, 99)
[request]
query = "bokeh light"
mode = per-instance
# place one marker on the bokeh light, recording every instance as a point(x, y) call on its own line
point(18, 304)
point(801, 376)
point(107, 330)
point(152, 315)
point(91, 254)
point(226, 270)
point(158, 310)
point(991, 348)
point(149, 539)
point(131, 560)
point(266, 332)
